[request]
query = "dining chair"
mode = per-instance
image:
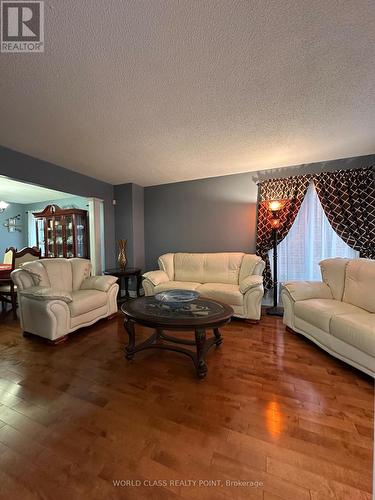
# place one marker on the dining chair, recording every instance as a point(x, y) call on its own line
point(6, 295)
point(9, 256)
point(8, 291)
point(27, 254)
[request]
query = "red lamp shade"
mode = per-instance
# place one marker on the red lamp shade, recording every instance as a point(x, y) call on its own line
point(275, 205)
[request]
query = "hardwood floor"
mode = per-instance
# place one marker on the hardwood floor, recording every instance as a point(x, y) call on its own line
point(274, 412)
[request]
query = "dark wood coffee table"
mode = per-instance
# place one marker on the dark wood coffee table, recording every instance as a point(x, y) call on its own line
point(198, 316)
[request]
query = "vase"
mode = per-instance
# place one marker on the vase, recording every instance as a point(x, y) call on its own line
point(122, 260)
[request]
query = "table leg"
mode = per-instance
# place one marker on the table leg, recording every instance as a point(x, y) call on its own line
point(218, 337)
point(120, 296)
point(130, 328)
point(14, 301)
point(139, 280)
point(200, 340)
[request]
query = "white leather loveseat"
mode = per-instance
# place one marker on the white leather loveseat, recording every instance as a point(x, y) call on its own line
point(233, 278)
point(58, 296)
point(337, 314)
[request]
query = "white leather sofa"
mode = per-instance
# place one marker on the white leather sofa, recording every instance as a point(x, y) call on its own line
point(338, 314)
point(233, 278)
point(58, 296)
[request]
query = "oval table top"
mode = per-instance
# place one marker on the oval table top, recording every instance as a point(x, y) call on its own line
point(199, 313)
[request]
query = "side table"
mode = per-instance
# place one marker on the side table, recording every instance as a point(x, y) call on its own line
point(126, 274)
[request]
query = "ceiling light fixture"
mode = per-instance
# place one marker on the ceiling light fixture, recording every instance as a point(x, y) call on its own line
point(3, 206)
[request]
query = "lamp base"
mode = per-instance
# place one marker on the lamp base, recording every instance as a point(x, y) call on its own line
point(275, 311)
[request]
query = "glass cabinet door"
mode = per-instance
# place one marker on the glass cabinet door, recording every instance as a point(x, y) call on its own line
point(62, 232)
point(50, 238)
point(81, 236)
point(69, 236)
point(40, 236)
point(59, 247)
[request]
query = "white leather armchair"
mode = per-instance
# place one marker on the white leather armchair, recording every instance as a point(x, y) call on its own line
point(234, 278)
point(58, 296)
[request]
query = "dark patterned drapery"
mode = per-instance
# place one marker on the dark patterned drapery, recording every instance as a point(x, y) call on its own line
point(293, 189)
point(348, 200)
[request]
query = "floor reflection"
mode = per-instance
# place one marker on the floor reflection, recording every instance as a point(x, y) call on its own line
point(274, 419)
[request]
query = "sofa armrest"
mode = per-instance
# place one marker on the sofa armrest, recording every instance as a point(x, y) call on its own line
point(304, 290)
point(157, 277)
point(22, 279)
point(251, 281)
point(100, 283)
point(46, 294)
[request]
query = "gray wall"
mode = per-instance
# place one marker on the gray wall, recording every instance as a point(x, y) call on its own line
point(124, 218)
point(28, 169)
point(216, 214)
point(129, 217)
point(138, 226)
point(205, 215)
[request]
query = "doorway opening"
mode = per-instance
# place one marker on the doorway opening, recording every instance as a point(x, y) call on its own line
point(72, 226)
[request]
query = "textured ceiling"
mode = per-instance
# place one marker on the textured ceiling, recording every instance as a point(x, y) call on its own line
point(19, 192)
point(152, 91)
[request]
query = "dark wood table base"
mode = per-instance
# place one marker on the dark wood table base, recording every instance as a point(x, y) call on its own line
point(124, 275)
point(160, 340)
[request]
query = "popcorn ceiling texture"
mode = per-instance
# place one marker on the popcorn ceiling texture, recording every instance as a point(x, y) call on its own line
point(155, 91)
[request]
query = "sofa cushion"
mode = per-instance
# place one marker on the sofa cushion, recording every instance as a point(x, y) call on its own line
point(305, 290)
point(319, 312)
point(250, 265)
point(176, 285)
point(81, 269)
point(59, 273)
point(356, 329)
point(208, 267)
point(37, 272)
point(166, 264)
point(333, 274)
point(360, 284)
point(229, 294)
point(86, 300)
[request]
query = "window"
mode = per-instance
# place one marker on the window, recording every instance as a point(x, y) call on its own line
point(310, 240)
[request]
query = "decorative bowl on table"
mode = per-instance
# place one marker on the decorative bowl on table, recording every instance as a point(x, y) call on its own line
point(176, 298)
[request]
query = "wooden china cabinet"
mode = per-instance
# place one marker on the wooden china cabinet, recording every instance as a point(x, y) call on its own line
point(62, 232)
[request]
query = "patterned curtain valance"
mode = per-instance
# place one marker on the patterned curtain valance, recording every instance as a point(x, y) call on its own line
point(348, 200)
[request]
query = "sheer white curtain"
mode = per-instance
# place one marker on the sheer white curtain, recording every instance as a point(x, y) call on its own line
point(310, 240)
